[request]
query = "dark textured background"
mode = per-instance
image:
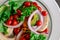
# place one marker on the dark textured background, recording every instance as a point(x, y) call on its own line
point(58, 1)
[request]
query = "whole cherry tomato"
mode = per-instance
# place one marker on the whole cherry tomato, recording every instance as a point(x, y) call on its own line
point(44, 13)
point(22, 37)
point(15, 16)
point(27, 4)
point(16, 31)
point(9, 22)
point(38, 23)
point(39, 8)
point(35, 4)
point(14, 22)
point(11, 17)
point(27, 36)
point(18, 12)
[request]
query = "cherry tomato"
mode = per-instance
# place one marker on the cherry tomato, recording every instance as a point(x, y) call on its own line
point(11, 17)
point(14, 22)
point(46, 30)
point(22, 38)
point(39, 8)
point(27, 4)
point(9, 22)
point(28, 36)
point(15, 16)
point(34, 3)
point(18, 12)
point(38, 23)
point(26, 18)
point(44, 13)
point(16, 31)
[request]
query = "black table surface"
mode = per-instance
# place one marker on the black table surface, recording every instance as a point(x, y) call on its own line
point(58, 1)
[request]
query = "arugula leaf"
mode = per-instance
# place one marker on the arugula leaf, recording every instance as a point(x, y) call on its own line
point(34, 36)
point(1, 28)
point(4, 15)
point(5, 30)
point(26, 11)
point(2, 9)
point(16, 3)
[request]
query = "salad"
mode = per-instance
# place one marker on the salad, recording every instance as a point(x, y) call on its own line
point(23, 20)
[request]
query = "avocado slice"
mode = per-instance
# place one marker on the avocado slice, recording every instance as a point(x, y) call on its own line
point(35, 19)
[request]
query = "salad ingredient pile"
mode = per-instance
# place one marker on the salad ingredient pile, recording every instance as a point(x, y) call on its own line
point(23, 19)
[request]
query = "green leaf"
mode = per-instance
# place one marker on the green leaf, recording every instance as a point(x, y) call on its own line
point(5, 30)
point(34, 36)
point(4, 15)
point(2, 9)
point(26, 11)
point(21, 18)
point(16, 3)
point(1, 28)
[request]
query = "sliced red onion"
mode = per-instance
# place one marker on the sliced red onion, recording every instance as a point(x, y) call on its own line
point(45, 24)
point(19, 35)
point(34, 27)
point(29, 21)
point(16, 26)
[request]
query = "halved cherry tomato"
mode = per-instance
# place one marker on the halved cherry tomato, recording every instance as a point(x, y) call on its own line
point(15, 16)
point(14, 22)
point(18, 12)
point(38, 23)
point(27, 4)
point(11, 17)
point(44, 13)
point(16, 31)
point(9, 22)
point(35, 4)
